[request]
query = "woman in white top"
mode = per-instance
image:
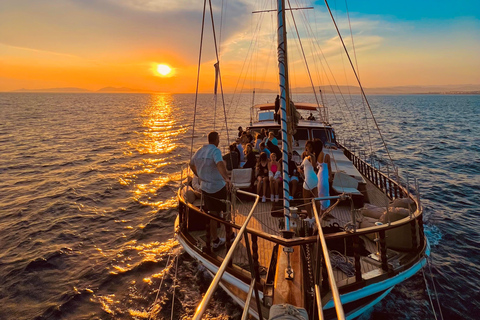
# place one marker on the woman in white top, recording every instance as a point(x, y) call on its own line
point(310, 183)
point(324, 168)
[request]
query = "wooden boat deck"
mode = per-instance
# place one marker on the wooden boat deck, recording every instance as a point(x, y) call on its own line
point(262, 220)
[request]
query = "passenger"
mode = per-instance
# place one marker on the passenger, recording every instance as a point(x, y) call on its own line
point(324, 168)
point(192, 189)
point(271, 137)
point(258, 141)
point(232, 159)
point(250, 138)
point(310, 182)
point(263, 133)
point(208, 165)
point(311, 117)
point(261, 174)
point(274, 149)
point(251, 159)
point(241, 154)
point(293, 173)
point(275, 175)
point(264, 149)
point(240, 131)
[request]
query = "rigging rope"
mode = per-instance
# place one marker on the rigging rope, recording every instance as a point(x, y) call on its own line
point(358, 71)
point(250, 49)
point(198, 79)
point(219, 73)
point(304, 57)
point(359, 83)
point(312, 34)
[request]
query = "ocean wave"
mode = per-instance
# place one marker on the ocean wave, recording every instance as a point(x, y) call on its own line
point(102, 181)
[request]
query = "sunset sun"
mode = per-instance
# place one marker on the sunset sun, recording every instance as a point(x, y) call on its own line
point(163, 69)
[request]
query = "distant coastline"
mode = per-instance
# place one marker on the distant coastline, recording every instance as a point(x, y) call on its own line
point(82, 90)
point(399, 90)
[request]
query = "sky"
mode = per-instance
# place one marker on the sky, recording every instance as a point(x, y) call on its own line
point(93, 44)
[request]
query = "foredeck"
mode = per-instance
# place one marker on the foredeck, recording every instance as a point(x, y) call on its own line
point(262, 220)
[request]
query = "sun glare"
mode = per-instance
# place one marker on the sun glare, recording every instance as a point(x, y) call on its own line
point(163, 69)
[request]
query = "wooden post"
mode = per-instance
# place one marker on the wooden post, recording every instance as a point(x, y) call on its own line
point(208, 236)
point(421, 232)
point(358, 267)
point(254, 272)
point(325, 285)
point(413, 225)
point(390, 184)
point(256, 264)
point(383, 250)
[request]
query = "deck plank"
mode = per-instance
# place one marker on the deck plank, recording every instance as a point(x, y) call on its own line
point(262, 220)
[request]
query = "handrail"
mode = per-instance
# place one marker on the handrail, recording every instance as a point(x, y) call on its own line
point(319, 302)
point(311, 239)
point(247, 302)
point(218, 276)
point(331, 277)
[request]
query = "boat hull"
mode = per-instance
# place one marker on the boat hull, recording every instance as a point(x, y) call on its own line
point(354, 302)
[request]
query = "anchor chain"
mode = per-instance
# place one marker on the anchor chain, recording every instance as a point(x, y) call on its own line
point(308, 257)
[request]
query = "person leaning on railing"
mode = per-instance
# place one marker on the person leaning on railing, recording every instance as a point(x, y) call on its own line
point(208, 165)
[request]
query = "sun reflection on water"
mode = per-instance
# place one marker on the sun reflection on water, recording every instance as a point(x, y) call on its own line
point(154, 251)
point(156, 146)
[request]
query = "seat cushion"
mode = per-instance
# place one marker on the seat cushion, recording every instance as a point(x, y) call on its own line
point(346, 190)
point(371, 211)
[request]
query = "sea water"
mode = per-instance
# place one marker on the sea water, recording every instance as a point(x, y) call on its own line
point(87, 199)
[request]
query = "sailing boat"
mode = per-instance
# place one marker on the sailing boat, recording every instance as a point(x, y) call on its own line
point(282, 263)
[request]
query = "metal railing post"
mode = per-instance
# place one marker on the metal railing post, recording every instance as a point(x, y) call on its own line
point(328, 264)
point(221, 270)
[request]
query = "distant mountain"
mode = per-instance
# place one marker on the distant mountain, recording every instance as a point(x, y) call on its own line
point(446, 89)
point(81, 90)
point(120, 90)
point(67, 89)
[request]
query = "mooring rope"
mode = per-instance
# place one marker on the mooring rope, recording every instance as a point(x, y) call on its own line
point(174, 284)
point(434, 287)
point(159, 288)
point(429, 296)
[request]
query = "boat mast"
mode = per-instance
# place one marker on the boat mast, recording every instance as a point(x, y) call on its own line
point(284, 104)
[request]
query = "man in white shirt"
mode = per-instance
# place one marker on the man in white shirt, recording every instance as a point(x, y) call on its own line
point(207, 163)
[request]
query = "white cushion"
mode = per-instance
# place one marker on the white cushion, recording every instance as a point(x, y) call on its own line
point(347, 190)
point(344, 183)
point(406, 203)
point(242, 178)
point(371, 211)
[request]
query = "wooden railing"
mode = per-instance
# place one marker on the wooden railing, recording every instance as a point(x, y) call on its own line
point(322, 250)
point(388, 185)
point(218, 276)
point(391, 188)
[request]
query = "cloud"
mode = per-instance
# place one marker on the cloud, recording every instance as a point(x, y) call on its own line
point(108, 29)
point(129, 35)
